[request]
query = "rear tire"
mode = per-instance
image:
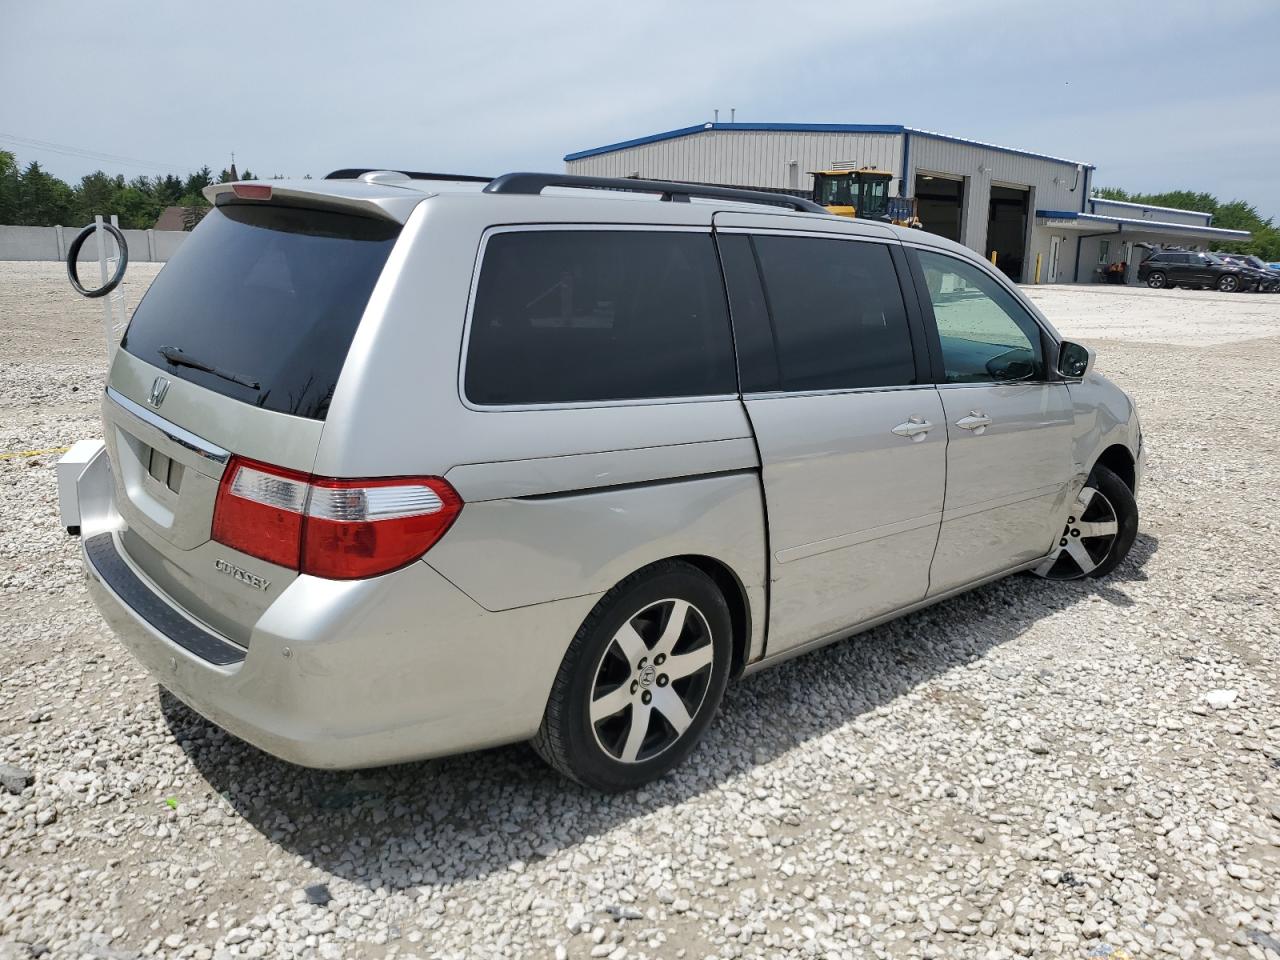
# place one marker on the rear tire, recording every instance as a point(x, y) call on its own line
point(1156, 280)
point(638, 688)
point(1100, 530)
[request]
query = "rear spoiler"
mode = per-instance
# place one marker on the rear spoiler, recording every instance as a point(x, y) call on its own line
point(385, 201)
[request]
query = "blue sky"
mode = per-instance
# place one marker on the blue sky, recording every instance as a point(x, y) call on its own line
point(1157, 95)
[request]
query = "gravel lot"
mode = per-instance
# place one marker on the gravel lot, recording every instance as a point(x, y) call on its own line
point(1034, 769)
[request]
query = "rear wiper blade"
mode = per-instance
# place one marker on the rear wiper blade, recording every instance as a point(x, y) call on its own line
point(179, 359)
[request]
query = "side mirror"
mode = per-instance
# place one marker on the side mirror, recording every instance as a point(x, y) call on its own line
point(1074, 360)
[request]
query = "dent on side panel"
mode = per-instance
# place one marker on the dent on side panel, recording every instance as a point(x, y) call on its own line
point(1103, 417)
point(515, 552)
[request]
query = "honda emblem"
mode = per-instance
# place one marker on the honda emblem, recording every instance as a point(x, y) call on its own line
point(159, 387)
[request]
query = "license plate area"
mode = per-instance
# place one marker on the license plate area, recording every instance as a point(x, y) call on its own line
point(165, 485)
point(164, 470)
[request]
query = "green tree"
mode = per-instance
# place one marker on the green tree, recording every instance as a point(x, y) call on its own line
point(169, 190)
point(137, 209)
point(9, 182)
point(95, 195)
point(197, 181)
point(43, 200)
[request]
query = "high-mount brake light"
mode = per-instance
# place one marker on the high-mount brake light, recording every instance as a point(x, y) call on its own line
point(252, 191)
point(335, 528)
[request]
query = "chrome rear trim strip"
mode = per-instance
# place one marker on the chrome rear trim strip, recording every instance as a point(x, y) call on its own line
point(177, 434)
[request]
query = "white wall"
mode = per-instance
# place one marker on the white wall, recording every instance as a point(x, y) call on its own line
point(51, 243)
point(1136, 211)
point(1051, 180)
point(748, 158)
point(1041, 243)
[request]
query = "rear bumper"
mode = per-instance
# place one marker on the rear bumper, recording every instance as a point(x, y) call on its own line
point(338, 674)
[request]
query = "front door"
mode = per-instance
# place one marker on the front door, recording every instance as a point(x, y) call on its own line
point(851, 434)
point(1009, 427)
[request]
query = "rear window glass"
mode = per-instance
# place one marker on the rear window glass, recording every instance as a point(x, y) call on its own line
point(573, 316)
point(269, 297)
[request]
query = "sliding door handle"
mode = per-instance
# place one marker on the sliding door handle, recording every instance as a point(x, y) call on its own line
point(977, 421)
point(915, 428)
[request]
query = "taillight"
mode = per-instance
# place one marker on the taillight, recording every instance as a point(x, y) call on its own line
point(259, 511)
point(339, 529)
point(360, 528)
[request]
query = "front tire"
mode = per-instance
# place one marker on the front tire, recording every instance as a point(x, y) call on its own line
point(1228, 284)
point(1100, 530)
point(1156, 280)
point(641, 680)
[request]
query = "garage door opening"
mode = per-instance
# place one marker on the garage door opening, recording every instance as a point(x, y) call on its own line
point(939, 202)
point(1007, 229)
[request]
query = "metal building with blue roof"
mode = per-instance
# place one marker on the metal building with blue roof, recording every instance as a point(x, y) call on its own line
point(1030, 211)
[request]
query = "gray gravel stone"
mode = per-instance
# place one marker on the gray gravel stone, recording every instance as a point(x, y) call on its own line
point(15, 779)
point(903, 795)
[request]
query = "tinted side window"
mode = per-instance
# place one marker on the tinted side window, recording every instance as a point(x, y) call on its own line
point(752, 332)
point(837, 311)
point(568, 316)
point(986, 334)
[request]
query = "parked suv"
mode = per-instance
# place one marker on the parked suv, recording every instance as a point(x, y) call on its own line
point(399, 466)
point(1173, 268)
point(1265, 280)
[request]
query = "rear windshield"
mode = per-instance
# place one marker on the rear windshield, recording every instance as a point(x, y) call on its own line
point(266, 299)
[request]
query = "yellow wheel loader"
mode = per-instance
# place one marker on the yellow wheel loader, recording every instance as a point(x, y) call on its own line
point(863, 193)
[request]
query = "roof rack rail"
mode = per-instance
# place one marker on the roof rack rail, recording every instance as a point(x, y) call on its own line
point(352, 173)
point(535, 183)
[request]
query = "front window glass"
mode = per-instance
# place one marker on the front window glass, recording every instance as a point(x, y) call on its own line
point(987, 337)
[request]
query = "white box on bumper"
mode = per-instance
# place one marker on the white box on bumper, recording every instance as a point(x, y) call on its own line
point(70, 467)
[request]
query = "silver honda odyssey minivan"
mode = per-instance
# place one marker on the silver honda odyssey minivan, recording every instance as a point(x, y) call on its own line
point(398, 465)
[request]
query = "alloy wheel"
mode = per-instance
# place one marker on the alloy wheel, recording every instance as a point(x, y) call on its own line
point(651, 681)
point(1087, 538)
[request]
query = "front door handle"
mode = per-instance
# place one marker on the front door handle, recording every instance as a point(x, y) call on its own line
point(977, 421)
point(915, 428)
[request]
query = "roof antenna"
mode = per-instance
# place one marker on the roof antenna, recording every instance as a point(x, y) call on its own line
point(717, 116)
point(733, 113)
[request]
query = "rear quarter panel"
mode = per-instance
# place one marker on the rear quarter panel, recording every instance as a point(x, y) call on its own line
point(562, 501)
point(520, 551)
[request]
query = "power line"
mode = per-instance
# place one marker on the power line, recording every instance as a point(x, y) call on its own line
point(70, 151)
